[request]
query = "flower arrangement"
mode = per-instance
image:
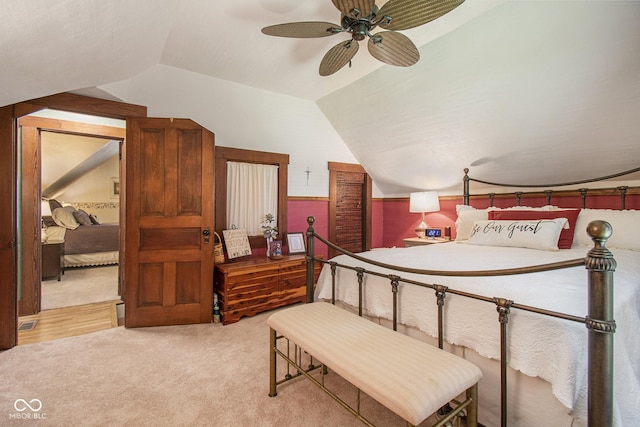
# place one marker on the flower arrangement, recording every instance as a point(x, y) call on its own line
point(269, 231)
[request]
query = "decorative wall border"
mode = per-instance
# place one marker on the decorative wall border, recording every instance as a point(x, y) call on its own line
point(95, 205)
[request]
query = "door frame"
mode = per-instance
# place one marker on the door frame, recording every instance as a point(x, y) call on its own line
point(9, 116)
point(32, 126)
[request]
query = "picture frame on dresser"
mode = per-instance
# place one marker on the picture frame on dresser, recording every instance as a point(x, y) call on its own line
point(295, 242)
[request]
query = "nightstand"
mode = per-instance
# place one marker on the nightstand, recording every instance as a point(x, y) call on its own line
point(52, 260)
point(419, 241)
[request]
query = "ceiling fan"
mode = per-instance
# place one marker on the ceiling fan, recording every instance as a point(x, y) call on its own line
point(359, 18)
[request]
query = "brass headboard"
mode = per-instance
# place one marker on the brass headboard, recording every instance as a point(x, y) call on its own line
point(622, 190)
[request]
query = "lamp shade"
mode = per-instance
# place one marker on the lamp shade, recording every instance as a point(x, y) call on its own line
point(424, 201)
point(45, 209)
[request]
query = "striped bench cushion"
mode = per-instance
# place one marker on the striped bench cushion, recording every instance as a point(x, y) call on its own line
point(409, 377)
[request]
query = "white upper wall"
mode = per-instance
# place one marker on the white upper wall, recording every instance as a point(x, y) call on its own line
point(244, 117)
point(531, 92)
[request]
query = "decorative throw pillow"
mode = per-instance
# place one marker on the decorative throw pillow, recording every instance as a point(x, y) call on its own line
point(54, 204)
point(82, 217)
point(468, 214)
point(534, 234)
point(64, 217)
point(47, 221)
point(95, 219)
point(566, 235)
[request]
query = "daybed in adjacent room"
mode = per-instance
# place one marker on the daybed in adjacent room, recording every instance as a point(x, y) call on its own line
point(87, 240)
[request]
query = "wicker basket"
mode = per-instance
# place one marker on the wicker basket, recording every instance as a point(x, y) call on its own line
point(218, 252)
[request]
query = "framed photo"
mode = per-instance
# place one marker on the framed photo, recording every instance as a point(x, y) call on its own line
point(114, 188)
point(296, 243)
point(275, 249)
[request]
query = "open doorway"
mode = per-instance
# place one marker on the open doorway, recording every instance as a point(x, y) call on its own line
point(191, 147)
point(74, 162)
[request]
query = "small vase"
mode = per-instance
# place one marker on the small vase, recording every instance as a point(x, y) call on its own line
point(269, 240)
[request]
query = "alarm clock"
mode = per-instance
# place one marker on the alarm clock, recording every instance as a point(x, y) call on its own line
point(432, 233)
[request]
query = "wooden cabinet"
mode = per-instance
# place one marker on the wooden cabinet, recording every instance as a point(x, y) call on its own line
point(252, 286)
point(52, 260)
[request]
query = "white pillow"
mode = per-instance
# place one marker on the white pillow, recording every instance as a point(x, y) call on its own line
point(534, 234)
point(64, 217)
point(468, 214)
point(626, 227)
point(465, 220)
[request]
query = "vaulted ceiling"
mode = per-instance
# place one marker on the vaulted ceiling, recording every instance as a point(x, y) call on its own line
point(551, 88)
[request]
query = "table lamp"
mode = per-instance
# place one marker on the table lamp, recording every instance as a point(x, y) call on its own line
point(424, 201)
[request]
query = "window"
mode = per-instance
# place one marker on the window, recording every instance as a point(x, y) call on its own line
point(225, 155)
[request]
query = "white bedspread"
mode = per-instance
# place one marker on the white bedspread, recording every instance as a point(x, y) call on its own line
point(543, 346)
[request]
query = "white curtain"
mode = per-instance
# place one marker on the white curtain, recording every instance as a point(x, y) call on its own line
point(252, 192)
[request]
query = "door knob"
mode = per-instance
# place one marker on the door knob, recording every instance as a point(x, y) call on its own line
point(205, 232)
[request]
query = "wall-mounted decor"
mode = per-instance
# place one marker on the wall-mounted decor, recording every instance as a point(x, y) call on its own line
point(296, 243)
point(114, 188)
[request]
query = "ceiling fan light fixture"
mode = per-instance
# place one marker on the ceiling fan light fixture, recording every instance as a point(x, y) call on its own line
point(360, 31)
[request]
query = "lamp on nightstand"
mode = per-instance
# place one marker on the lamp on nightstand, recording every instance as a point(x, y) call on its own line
point(424, 201)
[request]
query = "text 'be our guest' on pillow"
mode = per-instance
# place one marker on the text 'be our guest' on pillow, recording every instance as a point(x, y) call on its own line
point(534, 234)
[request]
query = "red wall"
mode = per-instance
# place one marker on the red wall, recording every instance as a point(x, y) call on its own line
point(299, 210)
point(399, 223)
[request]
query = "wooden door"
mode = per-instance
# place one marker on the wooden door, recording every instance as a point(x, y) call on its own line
point(349, 207)
point(169, 217)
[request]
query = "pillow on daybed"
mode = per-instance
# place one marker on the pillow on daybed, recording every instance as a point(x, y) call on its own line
point(566, 235)
point(468, 214)
point(82, 217)
point(64, 217)
point(54, 204)
point(47, 221)
point(626, 227)
point(540, 234)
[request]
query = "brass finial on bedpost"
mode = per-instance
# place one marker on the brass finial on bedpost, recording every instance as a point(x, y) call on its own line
point(601, 326)
point(310, 258)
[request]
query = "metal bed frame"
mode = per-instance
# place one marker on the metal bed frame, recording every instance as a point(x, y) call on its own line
point(599, 321)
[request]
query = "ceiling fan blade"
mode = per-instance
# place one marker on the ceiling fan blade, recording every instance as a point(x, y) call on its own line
point(394, 49)
point(412, 13)
point(302, 30)
point(346, 6)
point(338, 56)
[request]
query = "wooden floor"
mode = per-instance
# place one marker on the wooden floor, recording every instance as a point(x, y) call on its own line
point(69, 322)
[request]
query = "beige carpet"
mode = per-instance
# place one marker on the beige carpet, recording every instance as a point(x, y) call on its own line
point(196, 375)
point(81, 286)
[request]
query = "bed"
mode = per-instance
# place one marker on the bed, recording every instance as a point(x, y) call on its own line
point(87, 240)
point(533, 321)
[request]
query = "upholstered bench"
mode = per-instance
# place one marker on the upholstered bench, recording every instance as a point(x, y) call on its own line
point(411, 378)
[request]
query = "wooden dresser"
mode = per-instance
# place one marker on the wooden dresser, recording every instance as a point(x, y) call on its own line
point(254, 285)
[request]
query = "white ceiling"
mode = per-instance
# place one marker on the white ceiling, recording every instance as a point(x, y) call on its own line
point(86, 43)
point(499, 80)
